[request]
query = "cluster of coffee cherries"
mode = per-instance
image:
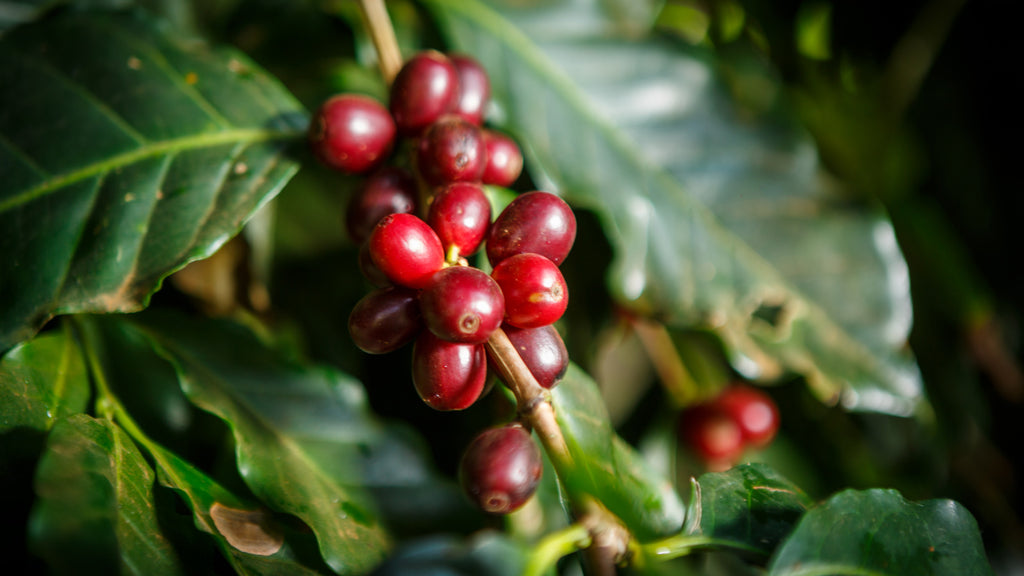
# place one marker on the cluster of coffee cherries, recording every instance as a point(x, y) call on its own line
point(417, 224)
point(719, 431)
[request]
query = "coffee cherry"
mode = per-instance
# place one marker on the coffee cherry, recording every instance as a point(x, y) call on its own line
point(474, 88)
point(713, 435)
point(425, 88)
point(385, 320)
point(504, 159)
point(542, 350)
point(451, 150)
point(406, 250)
point(370, 270)
point(500, 469)
point(753, 411)
point(461, 216)
point(537, 222)
point(352, 133)
point(534, 289)
point(448, 375)
point(462, 304)
point(390, 190)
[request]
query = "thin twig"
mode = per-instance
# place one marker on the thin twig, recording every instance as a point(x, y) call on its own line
point(375, 15)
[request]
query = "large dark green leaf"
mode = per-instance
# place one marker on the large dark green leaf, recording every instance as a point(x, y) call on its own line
point(720, 217)
point(751, 506)
point(95, 511)
point(878, 532)
point(606, 467)
point(124, 154)
point(306, 442)
point(41, 381)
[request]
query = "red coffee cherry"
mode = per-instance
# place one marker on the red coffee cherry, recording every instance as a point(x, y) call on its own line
point(406, 250)
point(448, 375)
point(390, 190)
point(753, 411)
point(451, 150)
point(426, 88)
point(385, 320)
point(352, 133)
point(537, 222)
point(501, 469)
point(462, 304)
point(542, 350)
point(504, 159)
point(370, 270)
point(534, 289)
point(461, 216)
point(713, 435)
point(474, 88)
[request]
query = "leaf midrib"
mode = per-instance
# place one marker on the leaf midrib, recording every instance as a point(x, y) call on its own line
point(148, 151)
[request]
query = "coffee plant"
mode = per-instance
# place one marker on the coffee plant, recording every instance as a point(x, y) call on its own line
point(285, 289)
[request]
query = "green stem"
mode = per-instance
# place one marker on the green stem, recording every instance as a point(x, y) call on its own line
point(554, 546)
point(682, 545)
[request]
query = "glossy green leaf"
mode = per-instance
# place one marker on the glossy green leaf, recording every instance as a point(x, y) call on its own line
point(750, 506)
point(95, 509)
point(879, 533)
point(306, 442)
point(125, 153)
point(41, 381)
point(606, 467)
point(720, 213)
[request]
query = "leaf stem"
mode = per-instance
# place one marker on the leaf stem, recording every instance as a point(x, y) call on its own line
point(683, 544)
point(375, 16)
point(672, 372)
point(554, 546)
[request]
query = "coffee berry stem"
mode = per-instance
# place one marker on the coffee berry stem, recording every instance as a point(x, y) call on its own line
point(375, 14)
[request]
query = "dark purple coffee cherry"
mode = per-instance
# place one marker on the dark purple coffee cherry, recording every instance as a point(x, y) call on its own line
point(504, 159)
point(534, 289)
point(448, 375)
point(542, 350)
point(451, 150)
point(390, 190)
point(461, 216)
point(474, 88)
point(426, 88)
point(537, 222)
point(385, 320)
point(500, 469)
point(462, 304)
point(352, 133)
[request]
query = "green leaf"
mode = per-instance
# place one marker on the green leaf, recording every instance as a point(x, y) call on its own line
point(878, 532)
point(720, 214)
point(95, 509)
point(750, 506)
point(125, 153)
point(306, 442)
point(484, 554)
point(606, 467)
point(42, 381)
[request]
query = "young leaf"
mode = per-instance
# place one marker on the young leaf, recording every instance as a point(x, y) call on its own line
point(606, 467)
point(750, 506)
point(717, 221)
point(125, 153)
point(41, 381)
point(95, 510)
point(879, 533)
